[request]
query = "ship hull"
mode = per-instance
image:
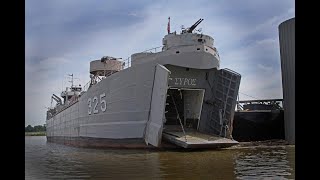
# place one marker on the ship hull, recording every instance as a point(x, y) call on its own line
point(258, 125)
point(122, 110)
point(106, 143)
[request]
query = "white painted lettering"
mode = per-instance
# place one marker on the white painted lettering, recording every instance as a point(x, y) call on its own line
point(103, 104)
point(95, 111)
point(181, 79)
point(176, 82)
point(102, 101)
point(186, 81)
point(193, 82)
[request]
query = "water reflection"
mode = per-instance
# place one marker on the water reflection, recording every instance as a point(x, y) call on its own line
point(53, 161)
point(197, 164)
point(258, 163)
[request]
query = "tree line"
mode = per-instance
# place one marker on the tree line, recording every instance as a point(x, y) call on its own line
point(38, 128)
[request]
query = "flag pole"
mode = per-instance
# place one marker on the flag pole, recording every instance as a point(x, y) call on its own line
point(168, 28)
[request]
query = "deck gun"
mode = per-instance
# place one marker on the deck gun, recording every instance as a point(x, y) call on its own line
point(190, 29)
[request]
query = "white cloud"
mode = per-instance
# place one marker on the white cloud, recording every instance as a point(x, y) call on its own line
point(133, 14)
point(265, 68)
point(270, 24)
point(266, 85)
point(259, 65)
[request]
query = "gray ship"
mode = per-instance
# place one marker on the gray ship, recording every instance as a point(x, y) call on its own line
point(177, 97)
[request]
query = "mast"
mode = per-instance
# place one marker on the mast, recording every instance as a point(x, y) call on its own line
point(168, 28)
point(71, 79)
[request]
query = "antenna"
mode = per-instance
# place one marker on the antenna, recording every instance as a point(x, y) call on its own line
point(71, 79)
point(168, 28)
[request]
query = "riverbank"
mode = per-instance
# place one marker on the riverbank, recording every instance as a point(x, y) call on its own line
point(42, 133)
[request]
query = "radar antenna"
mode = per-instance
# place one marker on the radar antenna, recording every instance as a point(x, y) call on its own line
point(71, 79)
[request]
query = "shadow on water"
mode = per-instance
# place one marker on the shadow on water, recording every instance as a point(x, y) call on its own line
point(54, 161)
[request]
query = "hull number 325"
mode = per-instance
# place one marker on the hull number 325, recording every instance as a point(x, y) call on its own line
point(93, 103)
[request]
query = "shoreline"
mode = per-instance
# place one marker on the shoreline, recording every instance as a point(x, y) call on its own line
point(42, 133)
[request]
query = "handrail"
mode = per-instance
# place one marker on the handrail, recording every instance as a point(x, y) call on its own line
point(229, 70)
point(126, 64)
point(150, 50)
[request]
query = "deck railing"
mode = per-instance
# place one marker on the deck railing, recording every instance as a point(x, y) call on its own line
point(125, 64)
point(153, 50)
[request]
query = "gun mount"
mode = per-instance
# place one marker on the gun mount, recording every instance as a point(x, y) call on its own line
point(190, 29)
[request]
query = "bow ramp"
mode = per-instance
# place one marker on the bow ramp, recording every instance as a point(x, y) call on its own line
point(192, 139)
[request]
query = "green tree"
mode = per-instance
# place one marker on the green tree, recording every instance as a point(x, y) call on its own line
point(29, 128)
point(38, 128)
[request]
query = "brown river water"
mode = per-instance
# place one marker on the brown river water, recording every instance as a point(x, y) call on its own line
point(45, 160)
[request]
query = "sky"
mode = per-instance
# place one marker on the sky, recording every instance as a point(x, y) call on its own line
point(62, 37)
